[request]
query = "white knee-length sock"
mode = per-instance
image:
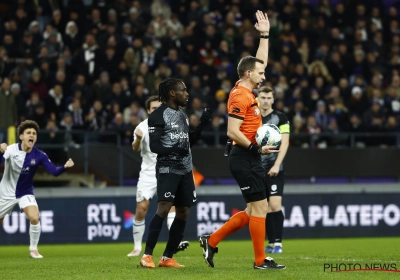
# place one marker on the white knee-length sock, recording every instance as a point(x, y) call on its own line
point(170, 219)
point(138, 231)
point(34, 234)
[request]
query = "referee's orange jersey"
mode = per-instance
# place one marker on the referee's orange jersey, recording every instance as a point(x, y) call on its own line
point(242, 104)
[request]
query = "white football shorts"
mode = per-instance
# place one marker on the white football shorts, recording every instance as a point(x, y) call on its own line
point(146, 190)
point(7, 205)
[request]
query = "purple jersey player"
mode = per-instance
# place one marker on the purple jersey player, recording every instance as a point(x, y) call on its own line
point(16, 186)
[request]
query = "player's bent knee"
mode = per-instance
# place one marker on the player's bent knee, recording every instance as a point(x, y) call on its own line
point(275, 204)
point(140, 215)
point(182, 213)
point(259, 208)
point(34, 220)
point(163, 208)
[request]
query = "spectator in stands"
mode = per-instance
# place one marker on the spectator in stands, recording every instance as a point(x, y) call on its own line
point(214, 133)
point(39, 115)
point(118, 125)
point(134, 110)
point(321, 115)
point(52, 135)
point(298, 137)
point(55, 103)
point(358, 102)
point(96, 119)
point(27, 46)
point(19, 102)
point(72, 38)
point(8, 109)
point(37, 85)
point(89, 59)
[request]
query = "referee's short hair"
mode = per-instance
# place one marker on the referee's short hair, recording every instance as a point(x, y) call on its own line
point(247, 63)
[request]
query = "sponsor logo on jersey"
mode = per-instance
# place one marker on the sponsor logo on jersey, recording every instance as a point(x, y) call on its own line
point(25, 169)
point(180, 135)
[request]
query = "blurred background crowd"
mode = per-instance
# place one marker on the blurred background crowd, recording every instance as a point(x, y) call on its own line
point(90, 65)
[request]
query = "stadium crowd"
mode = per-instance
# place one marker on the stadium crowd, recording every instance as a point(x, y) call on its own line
point(90, 65)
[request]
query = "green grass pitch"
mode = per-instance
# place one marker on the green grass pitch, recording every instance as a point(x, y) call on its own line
point(304, 259)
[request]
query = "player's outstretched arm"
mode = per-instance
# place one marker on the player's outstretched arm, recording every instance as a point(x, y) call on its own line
point(262, 25)
point(51, 168)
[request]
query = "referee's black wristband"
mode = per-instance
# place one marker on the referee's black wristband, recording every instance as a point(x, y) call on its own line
point(264, 36)
point(254, 149)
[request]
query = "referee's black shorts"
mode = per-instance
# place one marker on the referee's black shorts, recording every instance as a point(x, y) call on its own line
point(249, 173)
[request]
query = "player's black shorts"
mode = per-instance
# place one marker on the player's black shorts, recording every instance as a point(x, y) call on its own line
point(175, 188)
point(275, 184)
point(248, 172)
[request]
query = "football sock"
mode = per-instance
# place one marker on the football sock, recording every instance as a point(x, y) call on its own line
point(154, 232)
point(257, 233)
point(34, 234)
point(278, 225)
point(175, 237)
point(235, 223)
point(170, 219)
point(138, 231)
point(270, 228)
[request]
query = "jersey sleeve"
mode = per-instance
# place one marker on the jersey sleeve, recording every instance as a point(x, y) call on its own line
point(238, 106)
point(284, 125)
point(49, 166)
point(156, 127)
point(4, 156)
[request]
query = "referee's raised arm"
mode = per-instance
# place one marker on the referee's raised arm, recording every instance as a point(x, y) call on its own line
point(262, 25)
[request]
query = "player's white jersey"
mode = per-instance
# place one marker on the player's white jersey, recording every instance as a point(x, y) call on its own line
point(149, 159)
point(20, 168)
